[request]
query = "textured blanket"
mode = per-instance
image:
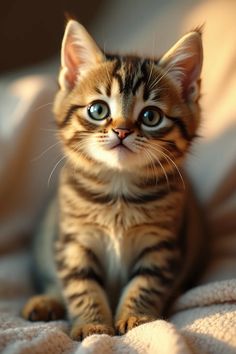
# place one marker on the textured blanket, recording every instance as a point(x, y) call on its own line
point(204, 318)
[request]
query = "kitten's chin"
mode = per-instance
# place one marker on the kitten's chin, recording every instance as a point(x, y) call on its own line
point(122, 157)
point(122, 152)
point(118, 158)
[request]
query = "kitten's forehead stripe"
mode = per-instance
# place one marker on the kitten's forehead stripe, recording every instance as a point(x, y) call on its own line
point(130, 73)
point(131, 70)
point(137, 84)
point(117, 75)
point(146, 91)
point(97, 89)
point(108, 88)
point(156, 96)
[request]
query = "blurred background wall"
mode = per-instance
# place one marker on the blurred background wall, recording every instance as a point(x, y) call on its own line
point(31, 31)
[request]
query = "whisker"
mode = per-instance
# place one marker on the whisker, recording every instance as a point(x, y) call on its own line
point(150, 73)
point(153, 167)
point(165, 149)
point(163, 169)
point(44, 152)
point(43, 106)
point(159, 78)
point(168, 161)
point(173, 163)
point(54, 168)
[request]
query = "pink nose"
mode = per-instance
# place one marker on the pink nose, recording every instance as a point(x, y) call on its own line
point(122, 132)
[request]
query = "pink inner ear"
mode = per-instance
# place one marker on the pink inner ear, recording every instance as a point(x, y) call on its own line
point(71, 57)
point(191, 70)
point(184, 61)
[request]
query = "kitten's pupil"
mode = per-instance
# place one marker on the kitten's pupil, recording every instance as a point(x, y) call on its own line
point(149, 115)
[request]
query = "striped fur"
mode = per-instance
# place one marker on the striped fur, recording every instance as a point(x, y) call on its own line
point(119, 252)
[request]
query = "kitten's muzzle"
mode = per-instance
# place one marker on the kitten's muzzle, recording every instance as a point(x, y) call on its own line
point(122, 133)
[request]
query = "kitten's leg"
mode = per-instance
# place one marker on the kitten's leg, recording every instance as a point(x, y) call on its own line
point(45, 307)
point(49, 305)
point(151, 282)
point(83, 289)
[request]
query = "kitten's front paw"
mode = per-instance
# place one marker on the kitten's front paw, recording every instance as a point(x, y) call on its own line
point(79, 331)
point(125, 324)
point(43, 308)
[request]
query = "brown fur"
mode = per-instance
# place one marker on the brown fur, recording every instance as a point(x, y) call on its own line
point(120, 248)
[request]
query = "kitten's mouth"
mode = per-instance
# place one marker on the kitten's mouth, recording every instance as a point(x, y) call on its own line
point(121, 147)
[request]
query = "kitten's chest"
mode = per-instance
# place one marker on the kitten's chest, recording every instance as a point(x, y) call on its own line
point(118, 255)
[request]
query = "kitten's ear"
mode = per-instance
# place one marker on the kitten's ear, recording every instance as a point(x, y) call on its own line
point(184, 63)
point(79, 52)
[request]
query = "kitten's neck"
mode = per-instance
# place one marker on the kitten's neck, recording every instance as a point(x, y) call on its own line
point(116, 180)
point(116, 183)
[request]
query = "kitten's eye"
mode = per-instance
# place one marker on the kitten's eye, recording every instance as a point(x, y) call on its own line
point(151, 117)
point(98, 110)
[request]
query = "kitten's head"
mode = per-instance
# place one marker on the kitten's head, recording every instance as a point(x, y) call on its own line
point(125, 112)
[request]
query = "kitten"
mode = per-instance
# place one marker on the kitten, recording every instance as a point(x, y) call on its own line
point(123, 246)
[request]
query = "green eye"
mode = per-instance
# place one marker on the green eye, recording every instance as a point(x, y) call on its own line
point(98, 110)
point(151, 117)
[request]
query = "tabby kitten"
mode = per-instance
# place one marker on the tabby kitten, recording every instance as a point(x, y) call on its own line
point(123, 245)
